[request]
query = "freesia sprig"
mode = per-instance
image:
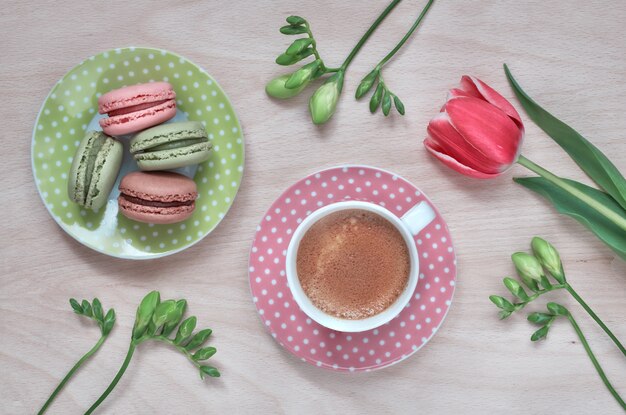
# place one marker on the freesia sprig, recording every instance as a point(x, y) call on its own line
point(382, 95)
point(535, 272)
point(157, 320)
point(324, 101)
point(545, 320)
point(105, 320)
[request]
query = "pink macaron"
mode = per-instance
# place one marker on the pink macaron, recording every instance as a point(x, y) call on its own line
point(159, 197)
point(136, 107)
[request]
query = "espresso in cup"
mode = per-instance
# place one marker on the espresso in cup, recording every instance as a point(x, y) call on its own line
point(353, 264)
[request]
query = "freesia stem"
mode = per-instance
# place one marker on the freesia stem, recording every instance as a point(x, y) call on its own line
point(180, 348)
point(406, 36)
point(71, 373)
point(596, 318)
point(583, 340)
point(116, 379)
point(557, 181)
point(367, 34)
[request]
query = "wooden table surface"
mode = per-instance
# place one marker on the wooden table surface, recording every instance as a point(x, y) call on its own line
point(570, 56)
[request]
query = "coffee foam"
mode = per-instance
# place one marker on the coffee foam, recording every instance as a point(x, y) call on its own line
point(353, 264)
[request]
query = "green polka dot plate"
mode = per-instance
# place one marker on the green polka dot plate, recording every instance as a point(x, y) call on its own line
point(71, 109)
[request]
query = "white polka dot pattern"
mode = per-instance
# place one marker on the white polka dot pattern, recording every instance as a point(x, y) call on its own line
point(322, 347)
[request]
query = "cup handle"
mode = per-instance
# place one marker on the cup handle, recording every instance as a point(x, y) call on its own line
point(418, 217)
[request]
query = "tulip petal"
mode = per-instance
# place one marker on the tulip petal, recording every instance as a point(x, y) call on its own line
point(453, 164)
point(486, 128)
point(451, 142)
point(477, 88)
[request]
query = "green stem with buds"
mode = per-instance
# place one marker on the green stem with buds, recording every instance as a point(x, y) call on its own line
point(69, 374)
point(596, 318)
point(406, 36)
point(557, 181)
point(367, 34)
point(583, 340)
point(520, 305)
point(117, 378)
point(181, 349)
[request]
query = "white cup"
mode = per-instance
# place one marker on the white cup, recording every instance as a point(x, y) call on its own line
point(416, 219)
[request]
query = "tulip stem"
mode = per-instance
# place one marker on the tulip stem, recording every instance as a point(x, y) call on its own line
point(552, 178)
point(70, 373)
point(406, 36)
point(367, 34)
point(583, 340)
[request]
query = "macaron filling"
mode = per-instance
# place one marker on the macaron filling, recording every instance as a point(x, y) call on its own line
point(176, 144)
point(156, 203)
point(90, 161)
point(138, 107)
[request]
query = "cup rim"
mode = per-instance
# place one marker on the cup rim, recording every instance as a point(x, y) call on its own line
point(333, 322)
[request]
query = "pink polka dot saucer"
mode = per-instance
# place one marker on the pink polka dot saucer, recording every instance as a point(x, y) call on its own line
point(316, 344)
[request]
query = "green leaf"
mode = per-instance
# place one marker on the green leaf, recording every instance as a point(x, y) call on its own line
point(502, 303)
point(386, 103)
point(588, 157)
point(292, 30)
point(174, 318)
point(209, 370)
point(540, 318)
point(604, 228)
point(144, 313)
point(557, 309)
point(399, 105)
point(515, 288)
point(286, 60)
point(298, 46)
point(204, 353)
point(199, 339)
point(87, 308)
point(185, 330)
point(504, 314)
point(97, 310)
point(109, 322)
point(366, 84)
point(295, 20)
point(76, 306)
point(377, 97)
point(540, 334)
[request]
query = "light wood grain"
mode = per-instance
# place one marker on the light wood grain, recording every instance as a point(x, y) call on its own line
point(570, 56)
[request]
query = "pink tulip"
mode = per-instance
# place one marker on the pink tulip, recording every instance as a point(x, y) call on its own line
point(477, 133)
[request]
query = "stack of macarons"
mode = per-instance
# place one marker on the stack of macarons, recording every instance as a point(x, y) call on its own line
point(150, 195)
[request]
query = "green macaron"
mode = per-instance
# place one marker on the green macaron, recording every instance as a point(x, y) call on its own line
point(169, 146)
point(94, 169)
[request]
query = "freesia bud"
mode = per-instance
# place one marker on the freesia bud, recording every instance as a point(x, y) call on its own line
point(324, 101)
point(477, 133)
point(528, 268)
point(302, 75)
point(549, 257)
point(276, 87)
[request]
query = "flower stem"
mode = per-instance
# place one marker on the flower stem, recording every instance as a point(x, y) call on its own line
point(180, 348)
point(557, 181)
point(537, 294)
point(367, 34)
point(70, 373)
point(583, 340)
point(118, 376)
point(596, 318)
point(406, 36)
